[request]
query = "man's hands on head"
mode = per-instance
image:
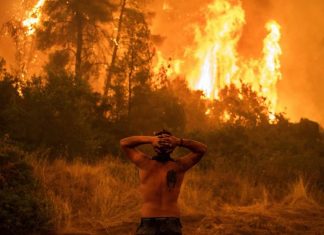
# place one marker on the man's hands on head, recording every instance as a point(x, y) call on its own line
point(164, 143)
point(156, 143)
point(169, 141)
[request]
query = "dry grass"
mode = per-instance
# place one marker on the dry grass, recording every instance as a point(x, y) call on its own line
point(83, 195)
point(104, 195)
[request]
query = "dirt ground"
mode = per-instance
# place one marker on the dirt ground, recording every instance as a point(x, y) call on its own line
point(302, 220)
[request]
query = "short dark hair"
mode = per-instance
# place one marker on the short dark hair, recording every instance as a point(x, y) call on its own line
point(163, 131)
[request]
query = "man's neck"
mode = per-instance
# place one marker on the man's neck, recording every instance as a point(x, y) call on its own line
point(162, 157)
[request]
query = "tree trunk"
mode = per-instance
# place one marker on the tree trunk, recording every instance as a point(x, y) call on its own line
point(130, 75)
point(78, 55)
point(114, 55)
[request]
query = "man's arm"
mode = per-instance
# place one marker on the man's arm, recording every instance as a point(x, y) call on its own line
point(197, 152)
point(129, 145)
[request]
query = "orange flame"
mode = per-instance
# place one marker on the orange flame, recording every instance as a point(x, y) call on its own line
point(216, 48)
point(270, 70)
point(217, 62)
point(173, 67)
point(33, 17)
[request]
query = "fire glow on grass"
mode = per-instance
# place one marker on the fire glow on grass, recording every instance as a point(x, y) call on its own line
point(33, 17)
point(217, 62)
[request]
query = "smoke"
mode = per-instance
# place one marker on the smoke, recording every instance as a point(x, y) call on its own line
point(6, 46)
point(301, 89)
point(6, 7)
point(11, 10)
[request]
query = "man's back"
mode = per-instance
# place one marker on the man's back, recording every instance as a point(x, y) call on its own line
point(160, 185)
point(160, 179)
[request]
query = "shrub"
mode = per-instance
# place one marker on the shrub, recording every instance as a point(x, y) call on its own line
point(22, 209)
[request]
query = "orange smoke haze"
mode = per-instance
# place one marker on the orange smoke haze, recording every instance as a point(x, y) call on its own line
point(20, 10)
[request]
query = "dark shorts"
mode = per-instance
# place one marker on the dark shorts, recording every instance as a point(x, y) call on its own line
point(159, 226)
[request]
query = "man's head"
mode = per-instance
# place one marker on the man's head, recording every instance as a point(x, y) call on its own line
point(164, 147)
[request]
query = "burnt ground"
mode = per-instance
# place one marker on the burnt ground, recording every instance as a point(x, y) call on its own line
point(302, 220)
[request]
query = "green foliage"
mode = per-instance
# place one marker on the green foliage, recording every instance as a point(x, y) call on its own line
point(267, 154)
point(9, 102)
point(156, 109)
point(58, 63)
point(133, 70)
point(60, 26)
point(22, 209)
point(62, 114)
point(193, 105)
point(59, 113)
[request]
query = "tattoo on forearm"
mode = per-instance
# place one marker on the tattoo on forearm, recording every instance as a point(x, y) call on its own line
point(171, 179)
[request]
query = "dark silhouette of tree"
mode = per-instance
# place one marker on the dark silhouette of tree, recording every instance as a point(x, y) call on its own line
point(193, 103)
point(156, 109)
point(139, 52)
point(9, 101)
point(239, 106)
point(111, 66)
point(132, 65)
point(57, 63)
point(122, 32)
point(62, 114)
point(74, 26)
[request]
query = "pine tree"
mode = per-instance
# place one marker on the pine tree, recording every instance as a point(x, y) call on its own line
point(73, 26)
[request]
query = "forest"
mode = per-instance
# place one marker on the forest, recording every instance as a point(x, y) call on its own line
point(61, 167)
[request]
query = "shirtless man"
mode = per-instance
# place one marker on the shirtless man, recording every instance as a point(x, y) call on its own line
point(160, 179)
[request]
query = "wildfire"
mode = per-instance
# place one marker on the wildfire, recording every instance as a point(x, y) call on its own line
point(33, 17)
point(270, 68)
point(216, 48)
point(217, 62)
point(173, 67)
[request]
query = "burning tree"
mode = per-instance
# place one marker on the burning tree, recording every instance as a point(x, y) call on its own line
point(213, 62)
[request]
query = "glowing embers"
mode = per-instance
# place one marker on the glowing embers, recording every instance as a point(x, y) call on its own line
point(33, 17)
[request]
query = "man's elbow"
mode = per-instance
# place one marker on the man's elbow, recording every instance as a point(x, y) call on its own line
point(123, 143)
point(203, 149)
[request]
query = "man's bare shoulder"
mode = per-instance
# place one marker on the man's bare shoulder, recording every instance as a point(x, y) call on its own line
point(156, 165)
point(177, 165)
point(149, 165)
point(181, 164)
